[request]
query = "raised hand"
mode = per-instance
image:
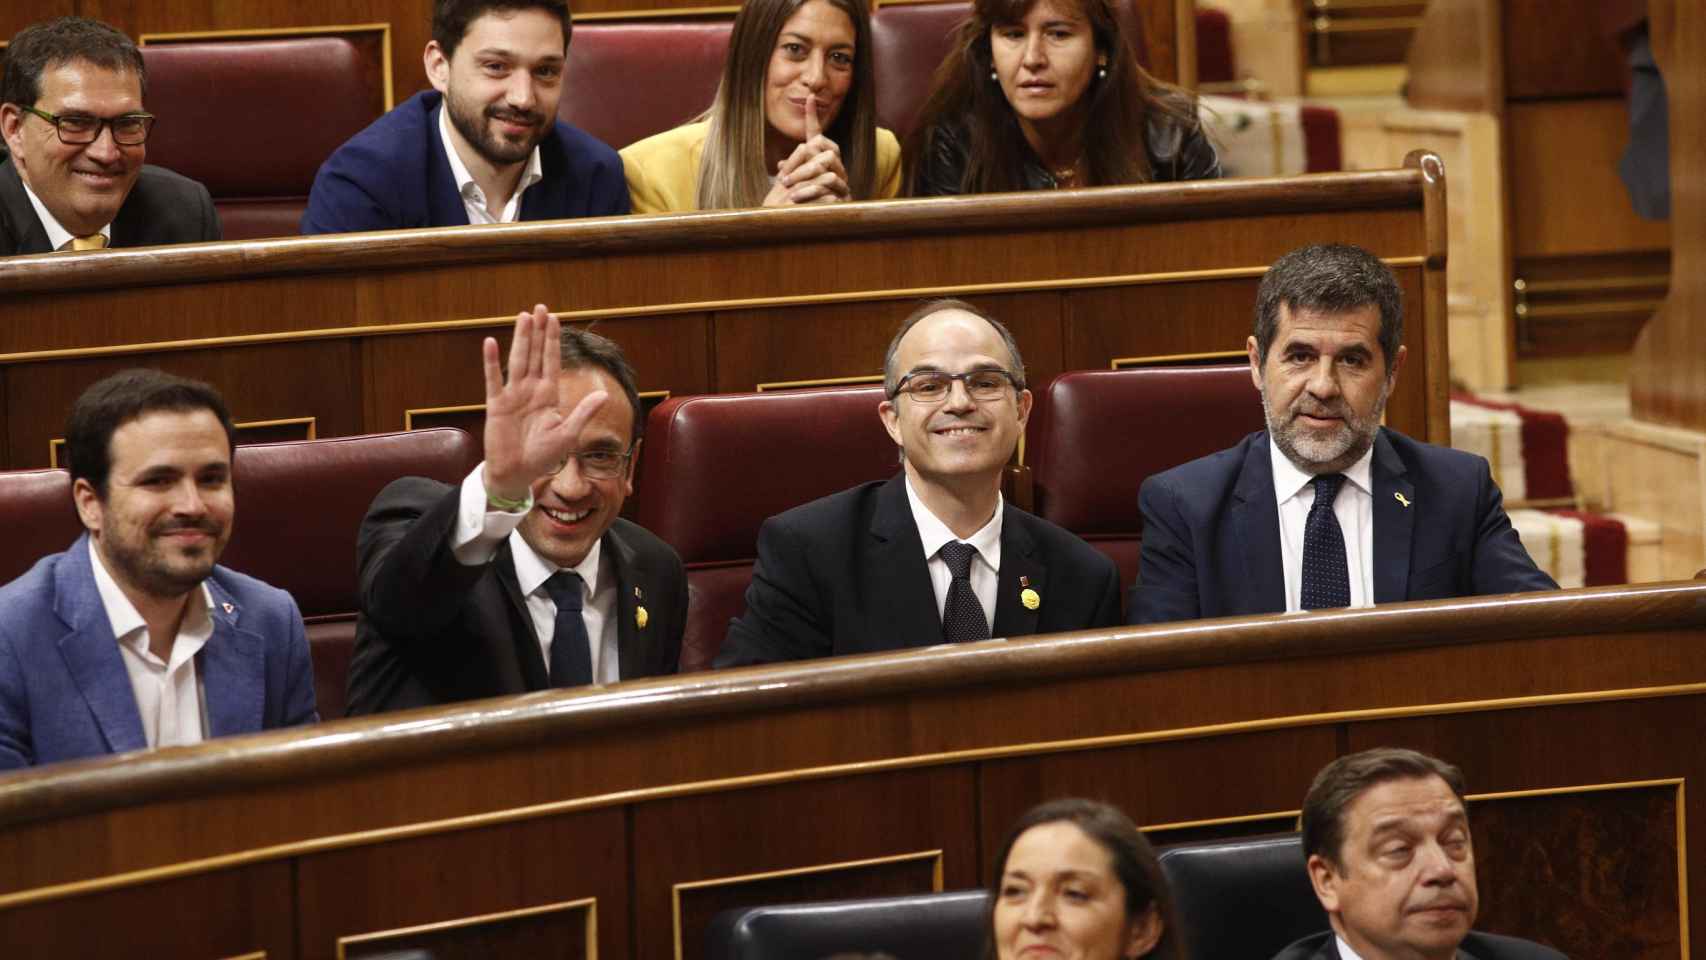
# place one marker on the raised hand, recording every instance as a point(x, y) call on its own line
point(527, 433)
point(813, 173)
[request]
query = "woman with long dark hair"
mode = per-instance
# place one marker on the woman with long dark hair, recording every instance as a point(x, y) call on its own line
point(794, 119)
point(1041, 94)
point(1076, 878)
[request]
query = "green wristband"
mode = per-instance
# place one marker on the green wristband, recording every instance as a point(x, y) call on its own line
point(508, 506)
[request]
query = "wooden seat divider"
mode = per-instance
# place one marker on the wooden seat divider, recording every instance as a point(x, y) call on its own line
point(620, 819)
point(359, 329)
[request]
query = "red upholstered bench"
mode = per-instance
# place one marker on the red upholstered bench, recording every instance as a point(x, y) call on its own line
point(37, 514)
point(1096, 435)
point(627, 81)
point(253, 119)
point(715, 467)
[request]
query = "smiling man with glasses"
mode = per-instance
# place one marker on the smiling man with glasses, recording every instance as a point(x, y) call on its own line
point(72, 117)
point(934, 555)
point(523, 577)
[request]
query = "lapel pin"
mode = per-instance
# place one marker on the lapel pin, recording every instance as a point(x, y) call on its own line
point(637, 594)
point(1401, 499)
point(1029, 598)
point(229, 609)
point(641, 618)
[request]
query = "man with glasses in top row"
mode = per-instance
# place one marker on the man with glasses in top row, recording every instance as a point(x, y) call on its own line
point(72, 116)
point(934, 555)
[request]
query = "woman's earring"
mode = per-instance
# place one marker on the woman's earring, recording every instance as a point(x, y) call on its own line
point(993, 77)
point(1102, 72)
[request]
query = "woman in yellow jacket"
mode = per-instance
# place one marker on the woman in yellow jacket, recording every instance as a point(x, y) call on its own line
point(794, 120)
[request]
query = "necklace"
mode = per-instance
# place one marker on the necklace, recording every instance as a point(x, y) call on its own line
point(1067, 175)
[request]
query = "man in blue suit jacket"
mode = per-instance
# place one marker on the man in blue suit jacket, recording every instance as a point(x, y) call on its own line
point(484, 145)
point(1241, 532)
point(133, 638)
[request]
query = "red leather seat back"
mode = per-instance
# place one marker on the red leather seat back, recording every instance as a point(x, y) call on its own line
point(300, 504)
point(715, 468)
point(627, 81)
point(1214, 47)
point(38, 517)
point(909, 42)
point(1096, 435)
point(254, 119)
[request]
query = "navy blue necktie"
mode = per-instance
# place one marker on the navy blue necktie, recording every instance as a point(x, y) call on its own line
point(571, 656)
point(1326, 575)
point(962, 614)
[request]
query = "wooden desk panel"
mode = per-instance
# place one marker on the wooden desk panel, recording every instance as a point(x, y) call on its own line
point(885, 773)
point(361, 328)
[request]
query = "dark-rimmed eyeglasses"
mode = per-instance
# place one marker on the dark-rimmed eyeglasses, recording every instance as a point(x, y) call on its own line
point(597, 464)
point(79, 129)
point(932, 386)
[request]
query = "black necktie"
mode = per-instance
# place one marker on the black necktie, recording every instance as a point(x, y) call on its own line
point(1326, 575)
point(962, 615)
point(571, 657)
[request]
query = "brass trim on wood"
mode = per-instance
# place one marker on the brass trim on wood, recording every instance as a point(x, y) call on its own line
point(707, 13)
point(409, 414)
point(589, 904)
point(867, 378)
point(1172, 359)
point(658, 310)
point(58, 443)
point(263, 33)
point(257, 955)
point(675, 891)
point(804, 774)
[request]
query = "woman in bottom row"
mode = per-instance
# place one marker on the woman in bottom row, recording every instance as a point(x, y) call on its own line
point(1077, 876)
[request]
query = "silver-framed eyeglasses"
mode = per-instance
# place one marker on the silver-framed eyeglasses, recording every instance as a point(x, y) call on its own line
point(597, 464)
point(79, 129)
point(932, 386)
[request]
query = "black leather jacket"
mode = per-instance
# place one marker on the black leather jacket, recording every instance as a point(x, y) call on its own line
point(1177, 151)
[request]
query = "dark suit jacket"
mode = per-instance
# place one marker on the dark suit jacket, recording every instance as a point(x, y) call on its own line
point(1476, 946)
point(395, 174)
point(432, 630)
point(162, 207)
point(64, 690)
point(846, 574)
point(1211, 542)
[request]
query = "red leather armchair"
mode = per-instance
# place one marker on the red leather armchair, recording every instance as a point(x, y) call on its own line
point(37, 514)
point(1096, 435)
point(253, 119)
point(627, 81)
point(299, 507)
point(713, 468)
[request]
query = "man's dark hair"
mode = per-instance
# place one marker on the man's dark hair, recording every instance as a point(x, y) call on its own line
point(40, 47)
point(1339, 783)
point(121, 398)
point(929, 308)
point(1330, 278)
point(583, 348)
point(450, 18)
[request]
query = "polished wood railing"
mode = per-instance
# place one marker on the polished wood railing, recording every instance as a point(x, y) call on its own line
point(370, 332)
point(617, 819)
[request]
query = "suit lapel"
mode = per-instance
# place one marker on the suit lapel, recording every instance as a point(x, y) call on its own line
point(27, 235)
point(898, 596)
point(1394, 522)
point(633, 587)
point(91, 653)
point(1255, 522)
point(233, 669)
point(528, 656)
point(1020, 570)
point(444, 201)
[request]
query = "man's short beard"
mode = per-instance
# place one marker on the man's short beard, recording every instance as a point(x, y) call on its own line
point(155, 579)
point(477, 133)
point(1314, 455)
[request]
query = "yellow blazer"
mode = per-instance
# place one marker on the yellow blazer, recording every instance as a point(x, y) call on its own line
point(663, 169)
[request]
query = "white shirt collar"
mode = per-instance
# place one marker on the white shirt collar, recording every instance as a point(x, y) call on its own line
point(1345, 951)
point(934, 533)
point(465, 185)
point(532, 570)
point(1289, 481)
point(57, 236)
point(121, 613)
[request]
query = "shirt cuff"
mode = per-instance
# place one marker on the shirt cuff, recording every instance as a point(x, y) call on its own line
point(480, 527)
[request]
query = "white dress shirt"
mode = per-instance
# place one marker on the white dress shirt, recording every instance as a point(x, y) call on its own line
point(169, 694)
point(985, 567)
point(1354, 507)
point(58, 237)
point(480, 528)
point(1345, 951)
point(473, 198)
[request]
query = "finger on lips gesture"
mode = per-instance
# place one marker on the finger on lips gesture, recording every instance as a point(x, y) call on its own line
point(813, 173)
